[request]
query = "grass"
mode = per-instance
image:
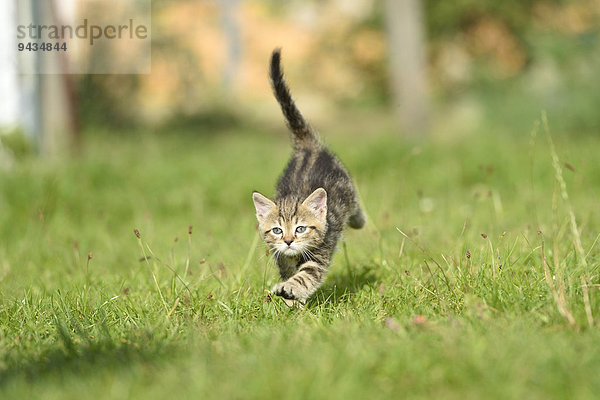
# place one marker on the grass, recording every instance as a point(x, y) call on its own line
point(446, 293)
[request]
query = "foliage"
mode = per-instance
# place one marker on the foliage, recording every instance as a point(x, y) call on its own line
point(15, 142)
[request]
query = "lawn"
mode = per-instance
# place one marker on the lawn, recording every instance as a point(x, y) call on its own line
point(475, 277)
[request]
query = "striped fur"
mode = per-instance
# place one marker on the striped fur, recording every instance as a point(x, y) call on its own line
point(315, 198)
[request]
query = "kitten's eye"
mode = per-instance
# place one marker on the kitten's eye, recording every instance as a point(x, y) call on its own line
point(277, 230)
point(300, 229)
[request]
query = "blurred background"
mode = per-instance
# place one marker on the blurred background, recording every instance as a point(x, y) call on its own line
point(432, 69)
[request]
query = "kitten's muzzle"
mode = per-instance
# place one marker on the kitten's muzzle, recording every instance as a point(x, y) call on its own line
point(288, 241)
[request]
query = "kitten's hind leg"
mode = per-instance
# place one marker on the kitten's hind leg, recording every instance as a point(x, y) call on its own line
point(303, 284)
point(358, 219)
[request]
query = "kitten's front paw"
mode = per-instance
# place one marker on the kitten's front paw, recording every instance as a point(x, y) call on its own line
point(291, 291)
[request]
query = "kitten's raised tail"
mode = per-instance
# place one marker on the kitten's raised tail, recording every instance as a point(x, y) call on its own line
point(303, 134)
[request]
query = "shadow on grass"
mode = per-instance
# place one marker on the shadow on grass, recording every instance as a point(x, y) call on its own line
point(340, 285)
point(90, 357)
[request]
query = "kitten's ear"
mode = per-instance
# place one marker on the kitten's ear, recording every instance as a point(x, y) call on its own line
point(263, 205)
point(317, 202)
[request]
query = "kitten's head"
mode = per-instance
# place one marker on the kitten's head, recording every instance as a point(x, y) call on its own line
point(290, 227)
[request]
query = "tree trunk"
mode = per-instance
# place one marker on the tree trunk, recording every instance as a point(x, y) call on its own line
point(407, 65)
point(231, 28)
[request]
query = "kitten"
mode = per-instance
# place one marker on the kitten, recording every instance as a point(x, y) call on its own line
point(314, 199)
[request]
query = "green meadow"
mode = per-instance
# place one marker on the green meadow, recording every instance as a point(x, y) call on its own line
point(476, 276)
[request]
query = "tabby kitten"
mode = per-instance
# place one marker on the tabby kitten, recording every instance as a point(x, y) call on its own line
point(314, 199)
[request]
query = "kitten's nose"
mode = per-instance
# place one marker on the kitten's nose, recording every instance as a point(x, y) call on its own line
point(288, 241)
